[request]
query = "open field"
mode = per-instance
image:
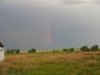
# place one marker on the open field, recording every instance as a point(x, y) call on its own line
point(87, 63)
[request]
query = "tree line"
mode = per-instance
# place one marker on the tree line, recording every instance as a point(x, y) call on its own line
point(83, 48)
point(11, 51)
point(86, 48)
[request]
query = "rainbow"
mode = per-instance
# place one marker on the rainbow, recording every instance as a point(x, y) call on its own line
point(47, 26)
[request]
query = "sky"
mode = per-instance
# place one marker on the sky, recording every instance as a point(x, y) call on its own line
point(49, 24)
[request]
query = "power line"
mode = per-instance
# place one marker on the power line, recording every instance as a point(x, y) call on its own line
point(33, 9)
point(26, 4)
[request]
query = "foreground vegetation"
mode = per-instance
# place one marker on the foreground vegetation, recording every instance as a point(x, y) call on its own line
point(61, 63)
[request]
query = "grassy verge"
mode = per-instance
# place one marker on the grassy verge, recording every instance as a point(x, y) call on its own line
point(87, 63)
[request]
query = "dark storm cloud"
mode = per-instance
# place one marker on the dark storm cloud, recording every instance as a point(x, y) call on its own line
point(70, 26)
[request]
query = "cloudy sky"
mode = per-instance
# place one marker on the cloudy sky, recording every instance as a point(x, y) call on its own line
point(49, 24)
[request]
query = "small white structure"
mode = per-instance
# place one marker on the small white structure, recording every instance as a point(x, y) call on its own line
point(1, 54)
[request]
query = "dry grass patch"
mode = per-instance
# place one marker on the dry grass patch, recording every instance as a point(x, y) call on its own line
point(91, 53)
point(42, 62)
point(62, 58)
point(22, 62)
point(90, 63)
point(5, 67)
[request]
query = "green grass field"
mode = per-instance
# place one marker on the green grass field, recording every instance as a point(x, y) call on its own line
point(49, 63)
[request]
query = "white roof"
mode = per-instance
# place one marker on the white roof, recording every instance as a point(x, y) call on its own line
point(2, 49)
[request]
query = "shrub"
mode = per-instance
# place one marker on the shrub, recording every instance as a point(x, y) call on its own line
point(33, 50)
point(84, 48)
point(8, 51)
point(12, 51)
point(29, 51)
point(94, 48)
point(57, 50)
point(71, 49)
point(54, 50)
point(65, 50)
point(18, 51)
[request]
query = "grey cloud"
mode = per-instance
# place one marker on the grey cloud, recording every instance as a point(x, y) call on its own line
point(71, 1)
point(79, 1)
point(98, 1)
point(69, 26)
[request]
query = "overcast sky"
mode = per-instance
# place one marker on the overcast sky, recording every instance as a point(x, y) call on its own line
point(49, 24)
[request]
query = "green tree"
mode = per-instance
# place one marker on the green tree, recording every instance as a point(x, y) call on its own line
point(12, 51)
point(71, 49)
point(54, 50)
point(84, 48)
point(94, 48)
point(8, 51)
point(57, 50)
point(65, 50)
point(33, 50)
point(30, 51)
point(18, 51)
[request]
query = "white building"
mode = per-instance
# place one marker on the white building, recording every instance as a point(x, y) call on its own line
point(1, 52)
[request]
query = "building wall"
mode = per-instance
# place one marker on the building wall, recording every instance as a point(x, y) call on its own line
point(1, 55)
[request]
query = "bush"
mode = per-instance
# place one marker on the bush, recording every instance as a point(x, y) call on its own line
point(54, 50)
point(84, 48)
point(71, 49)
point(18, 51)
point(65, 50)
point(94, 48)
point(29, 51)
point(8, 51)
point(33, 50)
point(12, 51)
point(57, 50)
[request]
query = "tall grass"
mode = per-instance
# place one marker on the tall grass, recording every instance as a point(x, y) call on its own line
point(51, 64)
